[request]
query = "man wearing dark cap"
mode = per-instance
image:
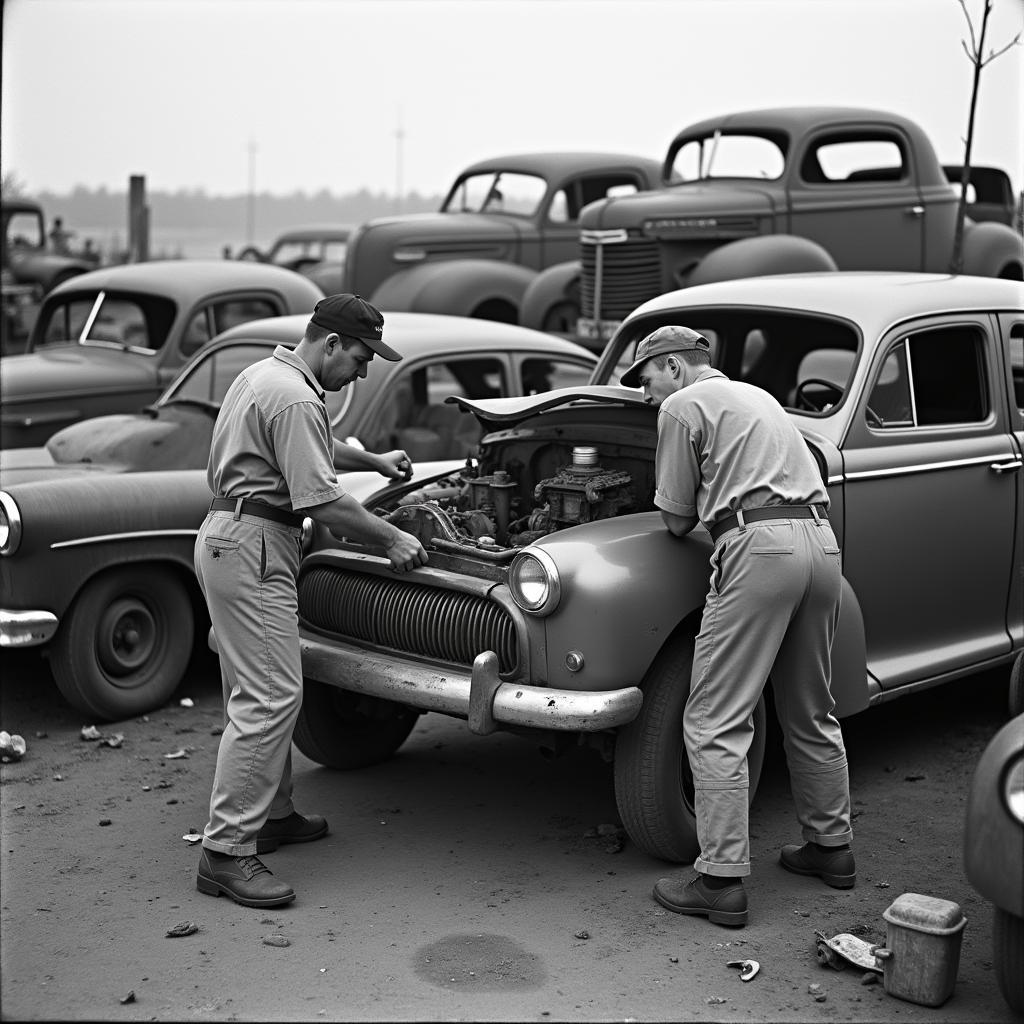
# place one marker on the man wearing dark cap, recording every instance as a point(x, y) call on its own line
point(729, 457)
point(274, 460)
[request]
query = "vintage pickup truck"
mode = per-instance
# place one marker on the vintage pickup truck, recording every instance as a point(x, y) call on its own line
point(503, 220)
point(778, 191)
point(557, 605)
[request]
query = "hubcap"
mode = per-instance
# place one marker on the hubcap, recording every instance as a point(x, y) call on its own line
point(126, 638)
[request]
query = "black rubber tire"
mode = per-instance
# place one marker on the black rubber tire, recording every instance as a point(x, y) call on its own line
point(123, 647)
point(345, 730)
point(561, 318)
point(1016, 694)
point(1008, 955)
point(653, 784)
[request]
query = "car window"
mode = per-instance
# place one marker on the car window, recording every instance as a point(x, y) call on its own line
point(930, 378)
point(416, 417)
point(868, 157)
point(1017, 363)
point(139, 321)
point(727, 155)
point(540, 375)
point(25, 231)
point(216, 317)
point(208, 379)
point(574, 195)
point(496, 192)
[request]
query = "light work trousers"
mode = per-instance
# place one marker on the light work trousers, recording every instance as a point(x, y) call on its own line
point(247, 569)
point(772, 608)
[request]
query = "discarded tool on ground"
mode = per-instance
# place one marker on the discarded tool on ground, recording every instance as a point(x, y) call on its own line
point(748, 968)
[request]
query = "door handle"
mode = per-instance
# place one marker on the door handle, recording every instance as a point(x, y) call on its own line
point(1007, 467)
point(916, 211)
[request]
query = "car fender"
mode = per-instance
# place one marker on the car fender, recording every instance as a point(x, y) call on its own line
point(757, 257)
point(456, 287)
point(991, 249)
point(992, 838)
point(558, 283)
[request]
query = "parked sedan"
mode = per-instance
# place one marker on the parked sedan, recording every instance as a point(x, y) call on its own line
point(317, 251)
point(97, 529)
point(111, 340)
point(555, 603)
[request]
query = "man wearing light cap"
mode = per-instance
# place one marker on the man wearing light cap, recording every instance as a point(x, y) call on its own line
point(274, 460)
point(729, 457)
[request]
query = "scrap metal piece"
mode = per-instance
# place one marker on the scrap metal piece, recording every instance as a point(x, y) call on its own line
point(843, 949)
point(748, 968)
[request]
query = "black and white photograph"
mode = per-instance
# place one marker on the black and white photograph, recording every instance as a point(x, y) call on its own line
point(512, 510)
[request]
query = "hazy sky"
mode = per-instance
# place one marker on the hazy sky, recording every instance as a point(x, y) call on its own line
point(311, 94)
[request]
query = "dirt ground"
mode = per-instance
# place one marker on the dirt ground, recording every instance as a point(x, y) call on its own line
point(467, 879)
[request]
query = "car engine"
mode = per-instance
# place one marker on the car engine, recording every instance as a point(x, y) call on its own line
point(494, 514)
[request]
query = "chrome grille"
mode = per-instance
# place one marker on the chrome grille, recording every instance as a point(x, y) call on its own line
point(403, 615)
point(630, 275)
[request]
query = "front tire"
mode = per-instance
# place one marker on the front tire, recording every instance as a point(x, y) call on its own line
point(124, 646)
point(653, 783)
point(345, 730)
point(1016, 697)
point(1008, 955)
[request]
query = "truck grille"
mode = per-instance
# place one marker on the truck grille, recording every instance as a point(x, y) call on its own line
point(631, 274)
point(402, 615)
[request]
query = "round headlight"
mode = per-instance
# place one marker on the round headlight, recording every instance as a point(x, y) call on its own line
point(533, 582)
point(10, 524)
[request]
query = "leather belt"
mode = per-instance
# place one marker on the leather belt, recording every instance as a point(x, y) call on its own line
point(260, 509)
point(757, 515)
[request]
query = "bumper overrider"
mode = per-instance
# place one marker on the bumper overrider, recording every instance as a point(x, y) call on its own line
point(480, 696)
point(26, 629)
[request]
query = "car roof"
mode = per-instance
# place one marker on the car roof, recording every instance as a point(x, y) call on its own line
point(561, 162)
point(415, 334)
point(799, 119)
point(187, 279)
point(873, 299)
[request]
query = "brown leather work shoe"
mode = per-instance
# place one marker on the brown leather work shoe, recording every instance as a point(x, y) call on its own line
point(294, 829)
point(245, 879)
point(726, 906)
point(834, 867)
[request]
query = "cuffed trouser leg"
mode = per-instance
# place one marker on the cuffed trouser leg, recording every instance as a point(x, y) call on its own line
point(247, 570)
point(760, 579)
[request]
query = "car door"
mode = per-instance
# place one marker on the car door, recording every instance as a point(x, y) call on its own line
point(931, 502)
point(853, 191)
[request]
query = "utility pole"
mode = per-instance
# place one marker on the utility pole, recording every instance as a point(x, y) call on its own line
point(250, 212)
point(399, 139)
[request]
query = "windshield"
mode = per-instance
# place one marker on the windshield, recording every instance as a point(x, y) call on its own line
point(136, 321)
point(285, 253)
point(805, 361)
point(725, 155)
point(496, 192)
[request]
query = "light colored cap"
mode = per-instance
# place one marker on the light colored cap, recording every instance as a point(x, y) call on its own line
point(672, 338)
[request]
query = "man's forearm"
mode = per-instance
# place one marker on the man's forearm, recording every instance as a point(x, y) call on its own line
point(346, 517)
point(346, 458)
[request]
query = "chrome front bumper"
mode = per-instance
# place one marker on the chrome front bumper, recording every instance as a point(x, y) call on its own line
point(480, 696)
point(26, 629)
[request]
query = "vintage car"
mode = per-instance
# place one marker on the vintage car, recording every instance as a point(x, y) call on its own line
point(775, 191)
point(502, 221)
point(112, 340)
point(317, 252)
point(556, 604)
point(994, 842)
point(97, 531)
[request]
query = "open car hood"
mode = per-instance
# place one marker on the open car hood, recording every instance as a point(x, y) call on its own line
point(505, 412)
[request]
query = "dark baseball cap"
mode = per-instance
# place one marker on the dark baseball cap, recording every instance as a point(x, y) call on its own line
point(354, 317)
point(660, 343)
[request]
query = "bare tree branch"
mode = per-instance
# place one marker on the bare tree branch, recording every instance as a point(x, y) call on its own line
point(992, 54)
point(970, 28)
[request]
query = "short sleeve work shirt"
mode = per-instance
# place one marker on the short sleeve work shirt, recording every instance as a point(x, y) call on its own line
point(725, 445)
point(272, 440)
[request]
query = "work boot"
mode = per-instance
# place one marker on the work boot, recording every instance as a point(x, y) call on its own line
point(834, 865)
point(246, 880)
point(294, 829)
point(727, 905)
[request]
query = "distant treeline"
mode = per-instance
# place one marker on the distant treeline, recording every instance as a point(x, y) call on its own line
point(230, 215)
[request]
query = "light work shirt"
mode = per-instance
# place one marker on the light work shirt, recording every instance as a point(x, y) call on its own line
point(272, 440)
point(725, 445)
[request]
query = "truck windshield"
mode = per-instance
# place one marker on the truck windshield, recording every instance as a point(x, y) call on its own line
point(723, 155)
point(496, 192)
